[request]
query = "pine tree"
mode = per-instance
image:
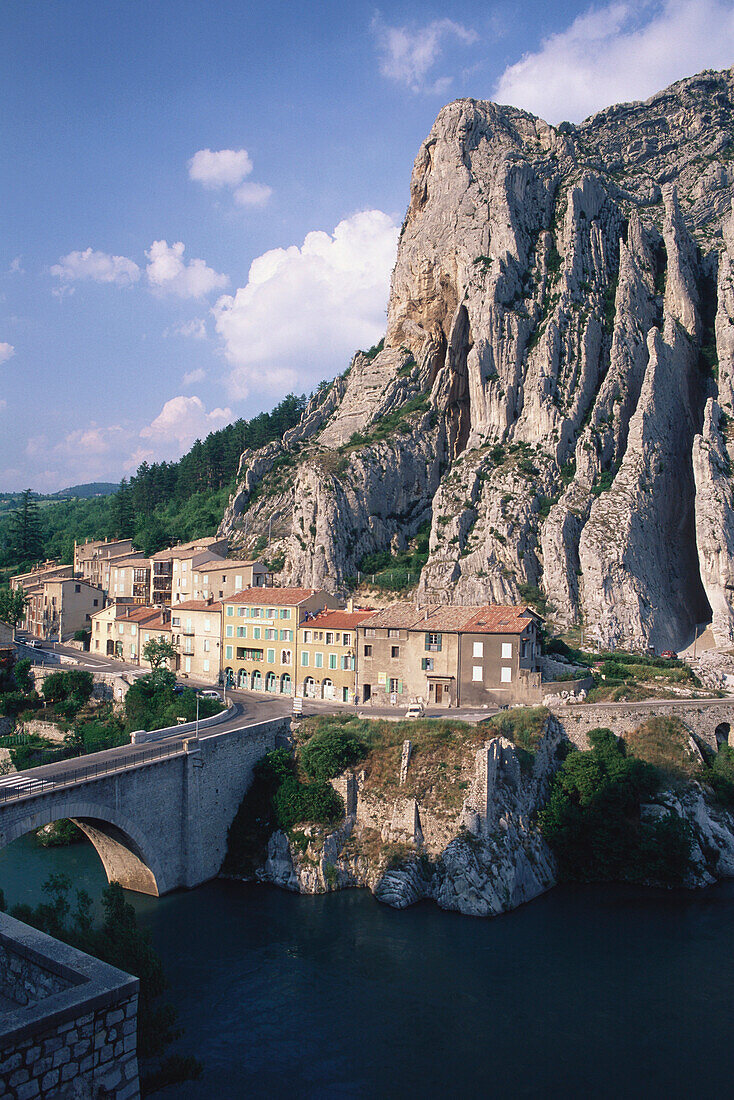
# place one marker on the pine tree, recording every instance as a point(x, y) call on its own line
point(25, 530)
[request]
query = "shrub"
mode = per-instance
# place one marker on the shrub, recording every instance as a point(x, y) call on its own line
point(593, 823)
point(721, 775)
point(294, 802)
point(329, 752)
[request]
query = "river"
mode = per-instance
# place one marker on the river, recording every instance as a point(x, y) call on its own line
point(588, 991)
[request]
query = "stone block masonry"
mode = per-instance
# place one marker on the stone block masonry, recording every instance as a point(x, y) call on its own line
point(68, 1022)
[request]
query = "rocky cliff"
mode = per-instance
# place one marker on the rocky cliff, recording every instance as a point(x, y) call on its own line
point(554, 388)
point(455, 821)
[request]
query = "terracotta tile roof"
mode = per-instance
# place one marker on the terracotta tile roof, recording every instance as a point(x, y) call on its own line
point(134, 613)
point(137, 560)
point(228, 563)
point(339, 620)
point(159, 623)
point(489, 619)
point(272, 597)
point(195, 605)
point(184, 553)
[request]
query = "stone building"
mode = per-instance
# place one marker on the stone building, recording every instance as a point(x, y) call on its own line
point(61, 606)
point(94, 558)
point(196, 627)
point(327, 656)
point(117, 631)
point(221, 579)
point(172, 570)
point(129, 579)
point(261, 635)
point(449, 656)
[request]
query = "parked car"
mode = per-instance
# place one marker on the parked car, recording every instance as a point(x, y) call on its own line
point(35, 643)
point(669, 655)
point(209, 693)
point(415, 710)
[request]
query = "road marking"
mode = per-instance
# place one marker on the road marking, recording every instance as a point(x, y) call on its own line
point(23, 782)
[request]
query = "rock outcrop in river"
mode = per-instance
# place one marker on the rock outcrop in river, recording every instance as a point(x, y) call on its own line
point(555, 385)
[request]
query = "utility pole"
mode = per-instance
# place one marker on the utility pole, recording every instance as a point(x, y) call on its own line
point(197, 714)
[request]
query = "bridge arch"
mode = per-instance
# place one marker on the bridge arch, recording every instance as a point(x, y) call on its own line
point(125, 853)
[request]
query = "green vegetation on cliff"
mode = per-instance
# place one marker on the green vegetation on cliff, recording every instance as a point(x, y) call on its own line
point(594, 824)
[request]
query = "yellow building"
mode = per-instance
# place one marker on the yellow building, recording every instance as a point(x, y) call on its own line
point(260, 628)
point(327, 655)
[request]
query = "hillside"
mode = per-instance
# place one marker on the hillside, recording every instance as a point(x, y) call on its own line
point(554, 389)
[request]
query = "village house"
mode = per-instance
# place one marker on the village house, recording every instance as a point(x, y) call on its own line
point(261, 635)
point(129, 579)
point(94, 558)
point(172, 570)
point(221, 579)
point(449, 656)
point(48, 570)
point(196, 627)
point(59, 607)
point(116, 631)
point(327, 656)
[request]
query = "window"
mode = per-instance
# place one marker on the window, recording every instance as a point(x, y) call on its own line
point(368, 651)
point(206, 666)
point(230, 630)
point(175, 621)
point(348, 664)
point(478, 649)
point(307, 637)
point(77, 588)
point(271, 656)
point(346, 639)
point(133, 630)
point(230, 610)
point(304, 658)
point(329, 637)
point(237, 581)
point(395, 651)
point(286, 635)
point(271, 635)
point(241, 631)
point(433, 643)
point(285, 612)
point(506, 650)
point(476, 673)
point(228, 652)
point(122, 628)
point(318, 660)
point(207, 624)
point(318, 635)
point(285, 656)
point(506, 675)
point(207, 644)
point(256, 631)
point(242, 611)
point(395, 686)
point(95, 602)
point(393, 633)
point(370, 632)
point(332, 660)
point(427, 664)
point(272, 613)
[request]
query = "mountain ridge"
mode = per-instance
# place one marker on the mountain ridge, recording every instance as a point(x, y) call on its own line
point(553, 384)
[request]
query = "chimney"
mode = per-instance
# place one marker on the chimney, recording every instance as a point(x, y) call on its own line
point(350, 604)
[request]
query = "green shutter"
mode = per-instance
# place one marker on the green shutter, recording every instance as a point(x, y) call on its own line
point(387, 685)
point(400, 687)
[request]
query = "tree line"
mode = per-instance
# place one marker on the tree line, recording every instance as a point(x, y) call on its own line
point(162, 502)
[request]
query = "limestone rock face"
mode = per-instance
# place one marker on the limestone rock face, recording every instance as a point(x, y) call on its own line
point(561, 313)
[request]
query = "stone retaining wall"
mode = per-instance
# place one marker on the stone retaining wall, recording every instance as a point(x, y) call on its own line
point(711, 723)
point(68, 1023)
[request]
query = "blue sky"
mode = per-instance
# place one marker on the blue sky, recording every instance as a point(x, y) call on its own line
point(199, 202)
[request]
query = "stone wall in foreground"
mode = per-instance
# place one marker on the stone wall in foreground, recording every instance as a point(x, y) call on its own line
point(68, 1023)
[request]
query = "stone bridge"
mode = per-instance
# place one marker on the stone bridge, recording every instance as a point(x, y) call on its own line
point(711, 721)
point(157, 816)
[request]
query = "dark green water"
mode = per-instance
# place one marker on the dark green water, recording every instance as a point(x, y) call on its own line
point(603, 992)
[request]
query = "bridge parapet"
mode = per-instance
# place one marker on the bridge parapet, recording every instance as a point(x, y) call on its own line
point(710, 721)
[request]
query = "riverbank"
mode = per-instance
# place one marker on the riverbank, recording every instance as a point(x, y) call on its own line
point(596, 990)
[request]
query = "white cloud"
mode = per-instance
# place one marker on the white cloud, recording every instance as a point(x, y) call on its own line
point(407, 54)
point(224, 168)
point(305, 310)
point(7, 351)
point(182, 420)
point(16, 266)
point(229, 168)
point(169, 273)
point(193, 376)
point(619, 52)
point(195, 329)
point(98, 266)
point(253, 194)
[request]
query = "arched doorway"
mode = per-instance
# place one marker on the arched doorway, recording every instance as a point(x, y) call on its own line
point(256, 680)
point(722, 732)
point(270, 682)
point(309, 687)
point(228, 677)
point(285, 684)
point(327, 689)
point(242, 678)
